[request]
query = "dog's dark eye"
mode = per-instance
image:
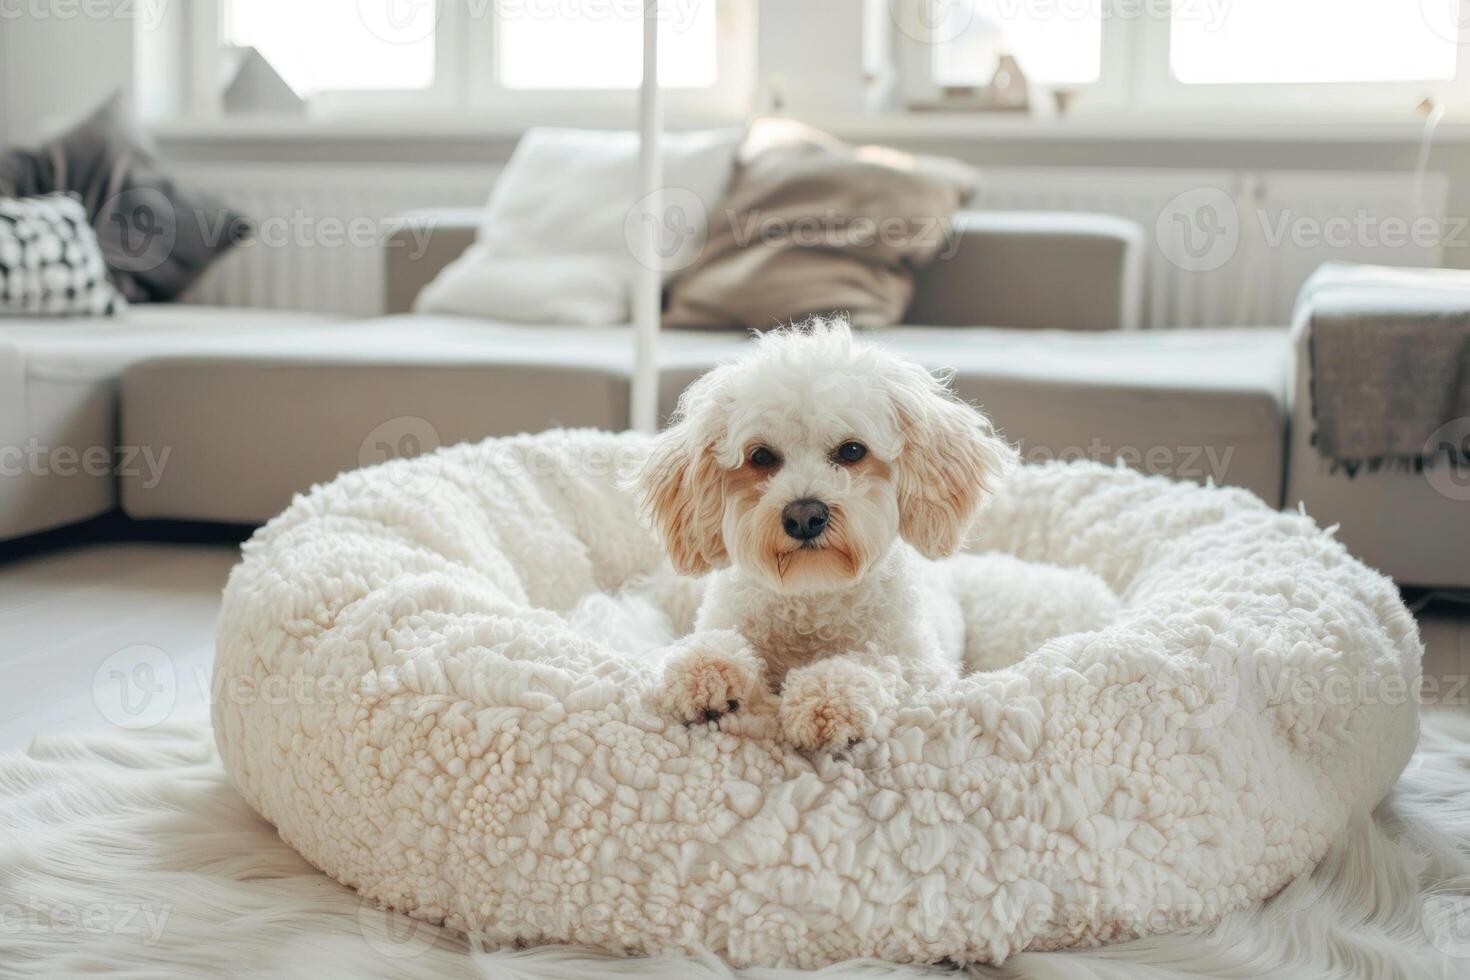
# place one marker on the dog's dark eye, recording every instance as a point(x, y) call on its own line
point(851, 452)
point(763, 458)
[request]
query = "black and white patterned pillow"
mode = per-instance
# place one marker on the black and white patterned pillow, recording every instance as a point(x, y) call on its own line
point(50, 262)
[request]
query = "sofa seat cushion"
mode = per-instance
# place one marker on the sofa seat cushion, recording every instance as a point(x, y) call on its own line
point(252, 422)
point(1192, 404)
point(252, 425)
point(58, 404)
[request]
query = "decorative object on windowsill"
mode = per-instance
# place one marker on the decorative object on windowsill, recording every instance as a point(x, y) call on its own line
point(1064, 99)
point(1008, 86)
point(251, 86)
point(776, 92)
point(880, 90)
point(1006, 92)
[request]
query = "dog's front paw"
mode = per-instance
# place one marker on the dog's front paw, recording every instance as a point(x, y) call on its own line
point(828, 705)
point(709, 675)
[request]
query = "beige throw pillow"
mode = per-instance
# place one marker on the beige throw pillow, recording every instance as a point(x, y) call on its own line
point(813, 226)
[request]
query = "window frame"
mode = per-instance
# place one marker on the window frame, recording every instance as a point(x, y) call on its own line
point(1135, 75)
point(1158, 88)
point(915, 64)
point(465, 83)
point(734, 76)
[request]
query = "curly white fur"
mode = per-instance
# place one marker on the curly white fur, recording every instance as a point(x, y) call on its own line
point(842, 623)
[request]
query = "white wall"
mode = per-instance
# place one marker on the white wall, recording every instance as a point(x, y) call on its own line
point(811, 55)
point(57, 66)
point(7, 86)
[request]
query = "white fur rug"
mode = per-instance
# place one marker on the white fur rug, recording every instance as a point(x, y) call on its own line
point(132, 855)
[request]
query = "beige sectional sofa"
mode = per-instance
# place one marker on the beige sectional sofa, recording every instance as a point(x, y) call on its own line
point(225, 414)
point(60, 455)
point(1197, 404)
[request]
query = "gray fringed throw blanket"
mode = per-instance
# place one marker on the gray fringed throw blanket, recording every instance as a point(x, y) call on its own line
point(1390, 351)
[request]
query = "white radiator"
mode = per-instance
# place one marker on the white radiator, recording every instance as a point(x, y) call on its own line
point(319, 228)
point(1230, 248)
point(1222, 247)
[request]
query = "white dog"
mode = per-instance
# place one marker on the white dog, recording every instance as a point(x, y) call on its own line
point(820, 476)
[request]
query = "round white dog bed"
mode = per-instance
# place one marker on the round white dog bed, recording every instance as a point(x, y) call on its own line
point(402, 690)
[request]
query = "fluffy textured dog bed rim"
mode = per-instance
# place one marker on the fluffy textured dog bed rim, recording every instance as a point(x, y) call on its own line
point(496, 770)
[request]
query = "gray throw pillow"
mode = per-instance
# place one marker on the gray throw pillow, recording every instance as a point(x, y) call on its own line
point(156, 234)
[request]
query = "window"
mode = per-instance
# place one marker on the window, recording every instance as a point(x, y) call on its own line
point(1122, 53)
point(522, 54)
point(1054, 50)
point(1306, 41)
point(368, 53)
point(603, 47)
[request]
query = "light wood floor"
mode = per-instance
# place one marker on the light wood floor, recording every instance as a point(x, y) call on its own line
point(122, 633)
point(64, 613)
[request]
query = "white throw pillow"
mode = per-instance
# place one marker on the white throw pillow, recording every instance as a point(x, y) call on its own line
point(554, 245)
point(575, 290)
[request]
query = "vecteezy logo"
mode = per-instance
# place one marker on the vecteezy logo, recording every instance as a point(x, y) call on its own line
point(399, 21)
point(1207, 695)
point(1198, 230)
point(395, 936)
point(405, 446)
point(1447, 923)
point(139, 229)
point(932, 21)
point(667, 229)
point(136, 687)
point(1446, 457)
point(1446, 18)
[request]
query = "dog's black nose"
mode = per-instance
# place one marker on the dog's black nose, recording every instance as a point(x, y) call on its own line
point(804, 519)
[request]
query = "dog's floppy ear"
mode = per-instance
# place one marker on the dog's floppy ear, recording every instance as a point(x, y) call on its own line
point(679, 490)
point(951, 458)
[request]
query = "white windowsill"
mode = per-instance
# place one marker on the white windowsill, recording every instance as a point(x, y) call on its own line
point(1099, 126)
point(431, 126)
point(1121, 126)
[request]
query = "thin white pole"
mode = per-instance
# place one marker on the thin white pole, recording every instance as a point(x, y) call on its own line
point(648, 276)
